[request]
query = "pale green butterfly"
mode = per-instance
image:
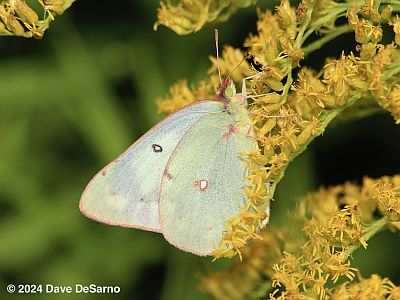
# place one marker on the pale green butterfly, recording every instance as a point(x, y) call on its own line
point(184, 178)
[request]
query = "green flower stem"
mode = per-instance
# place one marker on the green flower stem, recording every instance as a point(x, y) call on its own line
point(297, 44)
point(367, 106)
point(299, 38)
point(392, 71)
point(369, 232)
point(328, 37)
point(287, 85)
point(332, 15)
point(392, 2)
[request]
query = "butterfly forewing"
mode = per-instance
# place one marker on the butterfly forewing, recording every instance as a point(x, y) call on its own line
point(126, 192)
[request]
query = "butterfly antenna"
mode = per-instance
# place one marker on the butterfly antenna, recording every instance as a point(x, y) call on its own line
point(243, 59)
point(216, 46)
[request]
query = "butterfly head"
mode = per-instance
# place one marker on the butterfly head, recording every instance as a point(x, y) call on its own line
point(230, 90)
point(226, 91)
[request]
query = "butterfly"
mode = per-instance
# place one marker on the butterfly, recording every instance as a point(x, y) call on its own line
point(184, 178)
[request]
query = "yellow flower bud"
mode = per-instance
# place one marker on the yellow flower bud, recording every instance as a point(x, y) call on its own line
point(3, 29)
point(13, 25)
point(56, 6)
point(301, 13)
point(271, 98)
point(271, 107)
point(27, 14)
point(268, 126)
point(387, 13)
point(396, 29)
point(274, 84)
point(3, 13)
point(273, 72)
point(367, 51)
point(376, 34)
point(303, 137)
point(329, 101)
point(286, 15)
point(269, 150)
point(352, 16)
point(360, 34)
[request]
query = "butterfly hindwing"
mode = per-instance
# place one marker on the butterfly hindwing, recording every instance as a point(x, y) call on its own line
point(126, 192)
point(202, 186)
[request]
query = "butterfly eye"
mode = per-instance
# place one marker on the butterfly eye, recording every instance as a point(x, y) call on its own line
point(156, 148)
point(229, 92)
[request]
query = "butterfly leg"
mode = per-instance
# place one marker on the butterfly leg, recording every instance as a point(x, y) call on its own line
point(244, 90)
point(265, 221)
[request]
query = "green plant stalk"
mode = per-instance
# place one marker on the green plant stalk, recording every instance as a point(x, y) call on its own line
point(394, 69)
point(369, 232)
point(393, 2)
point(299, 38)
point(367, 106)
point(287, 85)
point(328, 37)
point(297, 44)
point(332, 15)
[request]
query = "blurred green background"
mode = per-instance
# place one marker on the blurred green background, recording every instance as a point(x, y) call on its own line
point(71, 102)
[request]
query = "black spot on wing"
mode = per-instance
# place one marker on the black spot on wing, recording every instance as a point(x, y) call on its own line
point(156, 148)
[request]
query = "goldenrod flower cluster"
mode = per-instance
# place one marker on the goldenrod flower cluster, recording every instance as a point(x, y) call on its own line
point(190, 16)
point(306, 104)
point(308, 258)
point(18, 18)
